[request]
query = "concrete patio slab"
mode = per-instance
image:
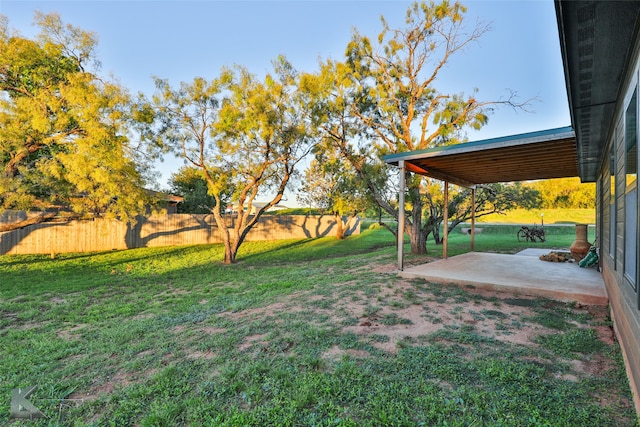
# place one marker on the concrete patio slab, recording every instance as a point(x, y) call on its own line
point(523, 274)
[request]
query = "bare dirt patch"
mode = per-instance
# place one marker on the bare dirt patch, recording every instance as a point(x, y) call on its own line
point(384, 268)
point(178, 329)
point(198, 354)
point(389, 314)
point(119, 380)
point(71, 333)
point(408, 311)
point(432, 316)
point(252, 340)
point(336, 352)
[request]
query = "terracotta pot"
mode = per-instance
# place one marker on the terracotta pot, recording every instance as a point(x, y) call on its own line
point(580, 247)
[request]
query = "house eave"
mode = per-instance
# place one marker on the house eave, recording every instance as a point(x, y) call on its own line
point(595, 40)
point(534, 155)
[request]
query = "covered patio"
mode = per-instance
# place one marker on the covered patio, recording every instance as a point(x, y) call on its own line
point(521, 274)
point(537, 155)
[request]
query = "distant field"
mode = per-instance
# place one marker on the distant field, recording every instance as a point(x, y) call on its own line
point(551, 216)
point(515, 216)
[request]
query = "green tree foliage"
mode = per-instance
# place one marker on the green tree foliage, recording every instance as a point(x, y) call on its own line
point(246, 137)
point(565, 193)
point(334, 188)
point(63, 133)
point(189, 183)
point(384, 99)
point(489, 199)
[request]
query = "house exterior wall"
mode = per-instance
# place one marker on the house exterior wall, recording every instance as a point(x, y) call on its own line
point(617, 218)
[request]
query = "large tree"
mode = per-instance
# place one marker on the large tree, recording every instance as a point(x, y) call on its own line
point(63, 133)
point(384, 99)
point(189, 182)
point(565, 193)
point(489, 199)
point(243, 134)
point(335, 189)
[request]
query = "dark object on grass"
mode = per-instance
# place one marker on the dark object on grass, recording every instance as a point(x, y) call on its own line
point(531, 234)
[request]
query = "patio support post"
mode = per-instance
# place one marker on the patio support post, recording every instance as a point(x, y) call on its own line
point(473, 217)
point(445, 240)
point(401, 216)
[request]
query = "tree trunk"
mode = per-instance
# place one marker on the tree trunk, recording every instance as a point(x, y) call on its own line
point(339, 227)
point(230, 252)
point(418, 240)
point(414, 226)
point(344, 226)
point(436, 234)
point(241, 227)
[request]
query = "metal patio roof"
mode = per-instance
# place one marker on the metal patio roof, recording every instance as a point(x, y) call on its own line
point(535, 155)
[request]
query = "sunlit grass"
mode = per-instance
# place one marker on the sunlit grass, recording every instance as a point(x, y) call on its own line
point(536, 216)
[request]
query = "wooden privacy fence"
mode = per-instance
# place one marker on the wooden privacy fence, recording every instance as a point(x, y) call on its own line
point(161, 230)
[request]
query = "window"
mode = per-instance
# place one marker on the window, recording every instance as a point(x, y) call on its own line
point(612, 202)
point(631, 143)
point(631, 190)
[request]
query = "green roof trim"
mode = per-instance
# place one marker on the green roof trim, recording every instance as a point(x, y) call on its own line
point(511, 140)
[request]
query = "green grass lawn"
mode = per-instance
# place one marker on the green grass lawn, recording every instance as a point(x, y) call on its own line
point(550, 216)
point(308, 332)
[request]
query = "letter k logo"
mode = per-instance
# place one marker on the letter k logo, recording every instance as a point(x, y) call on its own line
point(21, 407)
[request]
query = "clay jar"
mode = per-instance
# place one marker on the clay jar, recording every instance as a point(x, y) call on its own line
point(580, 247)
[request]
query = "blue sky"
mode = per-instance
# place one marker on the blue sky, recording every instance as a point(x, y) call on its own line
point(180, 40)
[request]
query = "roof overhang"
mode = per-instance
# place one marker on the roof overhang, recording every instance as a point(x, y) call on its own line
point(595, 40)
point(536, 155)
